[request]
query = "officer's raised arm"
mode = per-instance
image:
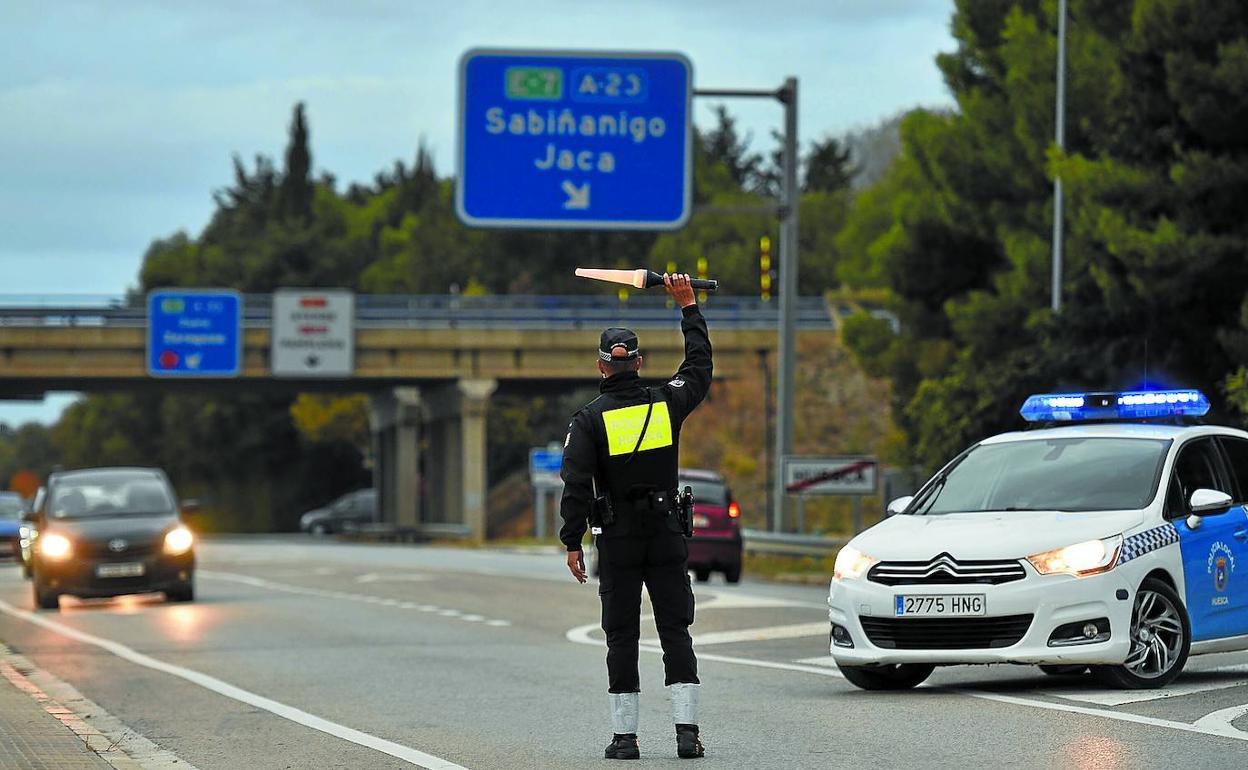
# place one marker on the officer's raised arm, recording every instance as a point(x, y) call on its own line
point(579, 464)
point(693, 379)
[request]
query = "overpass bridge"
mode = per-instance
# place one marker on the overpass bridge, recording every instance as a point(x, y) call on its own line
point(428, 363)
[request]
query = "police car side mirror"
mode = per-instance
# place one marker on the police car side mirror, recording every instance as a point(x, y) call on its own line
point(899, 505)
point(1208, 502)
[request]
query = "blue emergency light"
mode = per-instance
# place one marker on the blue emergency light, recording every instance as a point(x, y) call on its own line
point(1128, 405)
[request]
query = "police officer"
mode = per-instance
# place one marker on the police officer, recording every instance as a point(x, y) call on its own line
point(620, 463)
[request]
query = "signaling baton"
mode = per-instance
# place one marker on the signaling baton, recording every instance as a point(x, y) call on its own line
point(641, 278)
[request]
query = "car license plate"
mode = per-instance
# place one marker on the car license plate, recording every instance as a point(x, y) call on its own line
point(123, 570)
point(938, 605)
point(700, 520)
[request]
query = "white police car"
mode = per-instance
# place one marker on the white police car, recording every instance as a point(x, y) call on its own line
point(1113, 535)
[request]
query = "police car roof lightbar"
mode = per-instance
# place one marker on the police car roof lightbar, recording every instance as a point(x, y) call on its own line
point(1127, 405)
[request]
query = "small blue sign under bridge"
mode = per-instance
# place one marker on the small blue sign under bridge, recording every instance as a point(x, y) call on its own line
point(194, 333)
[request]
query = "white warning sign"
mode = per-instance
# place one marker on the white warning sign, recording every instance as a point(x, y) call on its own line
point(313, 333)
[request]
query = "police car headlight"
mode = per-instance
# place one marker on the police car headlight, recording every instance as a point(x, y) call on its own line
point(851, 563)
point(1081, 559)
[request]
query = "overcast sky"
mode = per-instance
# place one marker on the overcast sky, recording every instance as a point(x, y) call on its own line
point(119, 118)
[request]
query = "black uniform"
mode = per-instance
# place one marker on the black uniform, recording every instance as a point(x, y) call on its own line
point(645, 544)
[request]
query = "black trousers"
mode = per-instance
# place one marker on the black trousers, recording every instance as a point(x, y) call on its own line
point(659, 562)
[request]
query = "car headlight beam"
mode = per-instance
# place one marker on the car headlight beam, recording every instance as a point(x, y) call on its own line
point(851, 563)
point(178, 541)
point(55, 546)
point(1091, 557)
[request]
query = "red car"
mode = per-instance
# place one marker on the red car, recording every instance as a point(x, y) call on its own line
point(716, 542)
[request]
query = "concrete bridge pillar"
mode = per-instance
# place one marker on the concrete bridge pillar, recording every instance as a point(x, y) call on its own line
point(395, 418)
point(457, 453)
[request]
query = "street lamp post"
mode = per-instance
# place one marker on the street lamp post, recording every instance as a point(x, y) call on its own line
point(1060, 138)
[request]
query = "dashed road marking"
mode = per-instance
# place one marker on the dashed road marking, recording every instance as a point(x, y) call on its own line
point(408, 577)
point(298, 716)
point(256, 582)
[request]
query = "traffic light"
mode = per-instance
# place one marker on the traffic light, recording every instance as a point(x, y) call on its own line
point(764, 268)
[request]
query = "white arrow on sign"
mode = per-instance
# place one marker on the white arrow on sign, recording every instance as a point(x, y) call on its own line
point(578, 197)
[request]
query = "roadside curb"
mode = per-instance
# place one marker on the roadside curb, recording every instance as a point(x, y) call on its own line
point(105, 735)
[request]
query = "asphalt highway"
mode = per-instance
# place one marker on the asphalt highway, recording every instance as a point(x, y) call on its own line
point(307, 654)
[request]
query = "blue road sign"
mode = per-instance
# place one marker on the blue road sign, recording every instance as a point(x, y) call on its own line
point(574, 140)
point(194, 333)
point(542, 461)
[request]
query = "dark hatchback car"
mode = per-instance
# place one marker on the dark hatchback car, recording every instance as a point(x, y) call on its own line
point(716, 542)
point(345, 513)
point(108, 532)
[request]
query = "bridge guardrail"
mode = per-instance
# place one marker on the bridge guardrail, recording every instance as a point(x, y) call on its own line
point(436, 311)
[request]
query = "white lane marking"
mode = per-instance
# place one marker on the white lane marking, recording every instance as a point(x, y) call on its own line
point(373, 577)
point(294, 589)
point(733, 600)
point(1218, 724)
point(1185, 685)
point(290, 713)
point(795, 631)
point(1220, 730)
point(581, 635)
point(827, 661)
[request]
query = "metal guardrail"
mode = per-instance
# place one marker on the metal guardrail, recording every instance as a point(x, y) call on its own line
point(789, 544)
point(388, 311)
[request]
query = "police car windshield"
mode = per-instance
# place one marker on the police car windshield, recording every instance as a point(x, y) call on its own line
point(1065, 474)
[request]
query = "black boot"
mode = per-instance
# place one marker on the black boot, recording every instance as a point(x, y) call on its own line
point(688, 745)
point(623, 747)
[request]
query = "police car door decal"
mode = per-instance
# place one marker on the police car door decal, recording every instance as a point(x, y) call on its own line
point(1214, 573)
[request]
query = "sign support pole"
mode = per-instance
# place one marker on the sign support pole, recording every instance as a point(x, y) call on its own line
point(539, 510)
point(790, 202)
point(788, 290)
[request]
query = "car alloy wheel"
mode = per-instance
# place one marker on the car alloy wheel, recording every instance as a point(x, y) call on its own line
point(1161, 638)
point(1157, 635)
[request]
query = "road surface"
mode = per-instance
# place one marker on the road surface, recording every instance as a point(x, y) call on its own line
point(301, 653)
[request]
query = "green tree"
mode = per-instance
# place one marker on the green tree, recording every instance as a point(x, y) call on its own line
point(828, 167)
point(1154, 168)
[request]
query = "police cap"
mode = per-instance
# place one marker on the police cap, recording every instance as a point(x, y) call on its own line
point(617, 344)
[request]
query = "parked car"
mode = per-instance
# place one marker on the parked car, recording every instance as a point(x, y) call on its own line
point(107, 532)
point(11, 507)
point(716, 542)
point(345, 513)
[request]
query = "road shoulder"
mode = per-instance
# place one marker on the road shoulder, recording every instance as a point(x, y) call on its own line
point(46, 722)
